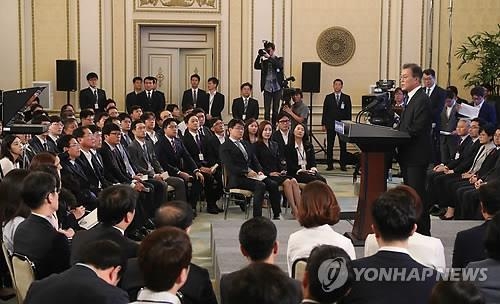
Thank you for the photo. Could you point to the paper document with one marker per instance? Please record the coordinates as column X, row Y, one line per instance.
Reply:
column 469, row 111
column 164, row 175
column 444, row 133
column 89, row 220
column 258, row 177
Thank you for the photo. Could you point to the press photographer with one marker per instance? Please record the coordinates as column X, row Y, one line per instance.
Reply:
column 271, row 79
column 296, row 110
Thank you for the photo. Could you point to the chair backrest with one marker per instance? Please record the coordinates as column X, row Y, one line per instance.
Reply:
column 299, row 268
column 24, row 275
column 224, row 177
column 8, row 261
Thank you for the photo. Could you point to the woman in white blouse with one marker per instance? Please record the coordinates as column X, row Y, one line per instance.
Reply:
column 316, row 212
column 10, row 154
column 12, row 209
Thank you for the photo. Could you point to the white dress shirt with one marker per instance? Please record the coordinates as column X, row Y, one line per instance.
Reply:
column 300, row 243
column 148, row 296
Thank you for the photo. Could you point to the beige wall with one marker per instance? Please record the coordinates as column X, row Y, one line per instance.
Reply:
column 103, row 36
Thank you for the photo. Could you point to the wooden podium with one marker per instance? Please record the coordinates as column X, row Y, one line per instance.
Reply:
column 374, row 141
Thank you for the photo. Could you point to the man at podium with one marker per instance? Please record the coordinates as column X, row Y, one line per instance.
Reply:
column 415, row 154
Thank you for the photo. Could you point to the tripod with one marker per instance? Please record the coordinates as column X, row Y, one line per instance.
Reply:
column 321, row 147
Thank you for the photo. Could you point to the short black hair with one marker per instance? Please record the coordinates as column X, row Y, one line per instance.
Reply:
column 123, row 116
column 198, row 110
column 453, row 89
column 264, row 284
column 430, row 72
column 477, row 91
column 92, row 75
column 488, row 128
column 136, row 78
column 449, row 94
column 269, row 45
column 94, row 128
column 281, row 115
column 110, row 127
column 100, row 115
column 111, row 120
column 257, row 236
column 416, row 70
column 55, row 118
column 492, row 238
column 488, row 195
column 38, row 119
column 114, row 203
column 133, row 108
column 86, row 113
column 454, row 292
column 147, row 115
column 135, row 123
column 195, row 76
column 150, row 78
column 103, row 254
column 214, row 80
column 167, row 121
column 171, row 107
column 233, row 122
column 112, row 107
column 246, row 84
column 340, row 264
column 339, row 80
column 64, row 141
column 163, row 254
column 37, row 185
column 394, row 215
column 188, row 117
column 174, row 213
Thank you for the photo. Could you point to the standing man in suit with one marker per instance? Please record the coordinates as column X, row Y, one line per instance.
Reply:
column 394, row 221
column 449, row 120
column 337, row 106
column 437, row 96
column 194, row 95
column 92, row 97
column 243, row 169
column 245, row 107
column 214, row 103
column 150, row 99
column 131, row 98
column 93, row 280
column 38, row 237
column 415, row 154
column 271, row 79
column 486, row 111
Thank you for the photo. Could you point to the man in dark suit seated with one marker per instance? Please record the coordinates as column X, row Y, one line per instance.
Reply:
column 151, row 100
column 198, row 287
column 92, row 97
column 394, row 221
column 91, row 281
column 164, row 259
column 40, row 142
column 115, row 212
column 194, row 95
column 245, row 172
column 176, row 160
column 214, row 103
column 245, row 107
column 283, row 135
column 486, row 112
column 142, row 154
column 469, row 245
column 258, row 244
column 38, row 237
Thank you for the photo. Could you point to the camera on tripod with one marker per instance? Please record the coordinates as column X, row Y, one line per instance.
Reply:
column 288, row 92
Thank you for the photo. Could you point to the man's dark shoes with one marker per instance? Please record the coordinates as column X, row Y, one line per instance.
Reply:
column 212, row 210
column 343, row 168
column 329, row 168
column 437, row 211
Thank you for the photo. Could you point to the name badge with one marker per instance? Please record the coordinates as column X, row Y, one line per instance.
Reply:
column 457, row 155
column 244, row 116
column 96, row 106
column 342, row 106
column 200, row 157
column 302, row 164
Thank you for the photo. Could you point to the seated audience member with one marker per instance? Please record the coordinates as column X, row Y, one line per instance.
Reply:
column 125, row 124
column 469, row 245
column 250, row 132
column 67, row 107
column 175, row 111
column 135, row 112
column 149, row 120
column 115, row 213
column 13, row 210
column 55, row 130
column 38, row 237
column 300, row 159
column 39, row 143
column 108, row 104
column 316, row 212
column 490, row 286
column 258, row 244
column 243, row 170
column 456, row 292
column 198, row 287
column 11, row 154
column 426, row 250
column 273, row 164
column 91, row 281
column 100, row 119
column 113, row 111
column 71, row 211
column 70, row 125
column 314, row 288
column 283, row 135
column 203, row 129
column 181, row 125
column 164, row 259
column 245, row 107
column 394, row 221
column 398, row 101
column 87, row 117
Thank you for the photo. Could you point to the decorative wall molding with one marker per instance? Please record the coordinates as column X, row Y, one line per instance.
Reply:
column 336, row 46
column 191, row 6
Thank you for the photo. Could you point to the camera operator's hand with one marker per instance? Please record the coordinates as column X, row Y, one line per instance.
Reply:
column 287, row 109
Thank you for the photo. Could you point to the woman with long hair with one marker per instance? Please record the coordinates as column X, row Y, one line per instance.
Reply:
column 11, row 154
column 251, row 128
column 267, row 153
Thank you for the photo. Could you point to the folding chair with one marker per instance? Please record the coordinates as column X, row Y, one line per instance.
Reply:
column 299, row 268
column 24, row 275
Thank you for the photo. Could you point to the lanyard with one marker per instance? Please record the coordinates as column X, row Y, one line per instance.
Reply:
column 303, row 154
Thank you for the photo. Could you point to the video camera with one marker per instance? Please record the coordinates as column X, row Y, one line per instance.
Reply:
column 267, row 45
column 288, row 92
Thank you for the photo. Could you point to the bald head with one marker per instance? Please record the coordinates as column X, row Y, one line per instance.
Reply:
column 174, row 214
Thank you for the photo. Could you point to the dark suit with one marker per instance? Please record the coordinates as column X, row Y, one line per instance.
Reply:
column 276, row 64
column 35, row 146
column 187, row 98
column 488, row 113
column 448, row 143
column 469, row 246
column 131, row 100
column 237, row 166
column 197, row 289
column 333, row 111
column 47, row 248
column 381, row 291
column 415, row 155
column 155, row 104
column 278, row 138
column 269, row 157
column 437, row 99
column 292, row 163
column 98, row 233
column 94, row 172
column 74, row 179
column 238, row 108
column 88, row 100
column 217, row 104
column 76, row 285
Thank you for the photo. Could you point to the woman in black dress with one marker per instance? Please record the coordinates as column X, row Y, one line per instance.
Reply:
column 300, row 159
column 273, row 164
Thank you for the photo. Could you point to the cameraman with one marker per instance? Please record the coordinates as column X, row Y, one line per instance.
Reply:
column 298, row 111
column 271, row 79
